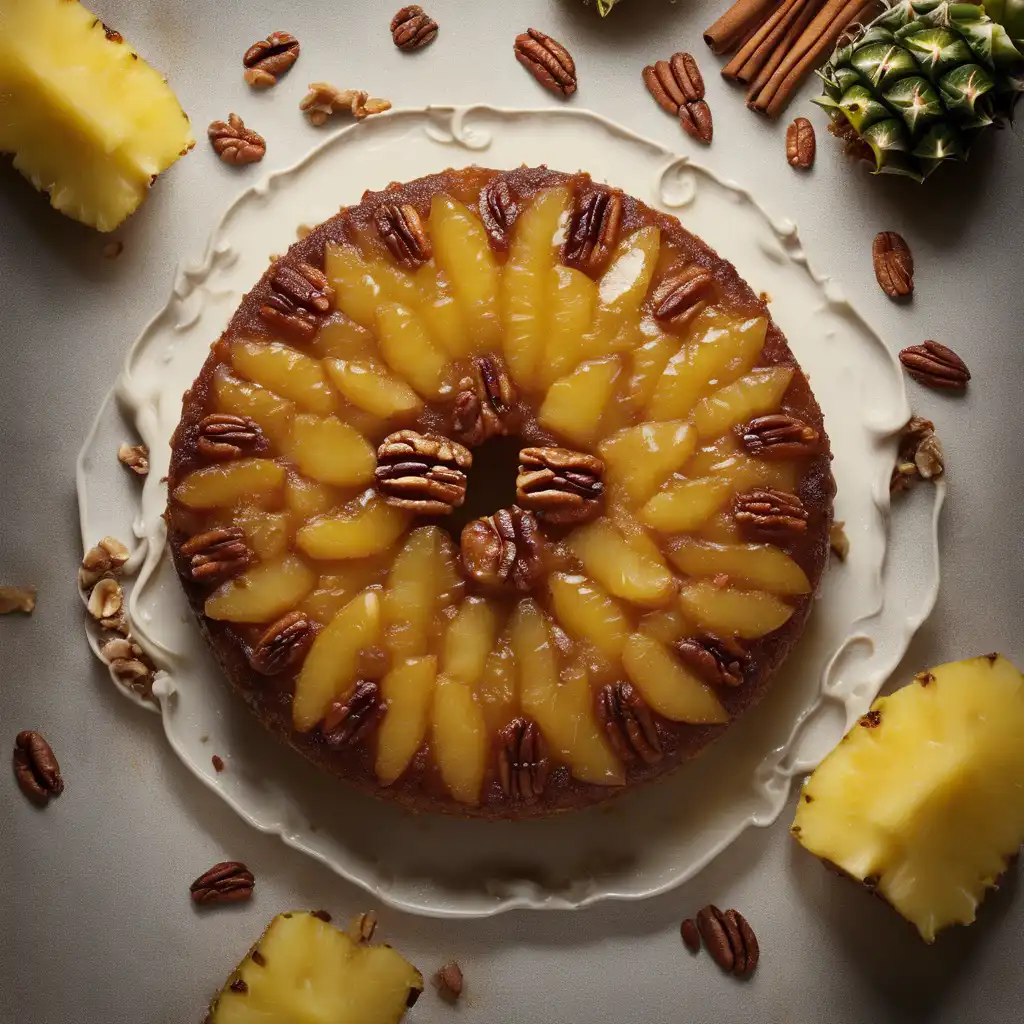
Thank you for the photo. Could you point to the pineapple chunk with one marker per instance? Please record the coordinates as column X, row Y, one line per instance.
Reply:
column 308, row 972
column 370, row 387
column 587, row 612
column 640, row 459
column 336, row 588
column 923, row 800
column 367, row 526
column 572, row 297
column 756, row 565
column 459, row 740
column 408, row 692
column 88, row 121
column 532, row 257
column 342, row 338
column 329, row 671
column 242, row 398
column 758, row 393
column 357, row 292
column 563, row 707
column 574, row 405
column 497, row 689
column 725, row 612
column 685, row 504
column 442, row 314
column 263, row 593
column 331, row 451
column 647, row 363
column 229, row 483
column 269, row 534
column 623, row 571
column 667, row 625
column 408, row 350
column 469, row 639
column 285, row 371
column 306, row 498
column 667, row 685
column 464, row 254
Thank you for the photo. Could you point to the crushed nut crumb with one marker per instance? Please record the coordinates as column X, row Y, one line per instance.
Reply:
column 17, row 599
column 449, row 982
column 324, row 99
column 838, row 540
column 920, row 455
column 105, row 559
column 106, row 599
column 135, row 457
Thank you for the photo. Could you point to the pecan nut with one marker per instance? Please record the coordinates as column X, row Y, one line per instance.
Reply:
column 498, row 212
column 523, row 764
column 234, row 143
column 674, row 82
column 894, row 264
column 283, row 645
column 721, row 661
column 300, row 295
column 36, row 768
column 779, row 436
column 695, row 119
column 401, row 229
column 560, row 485
column 486, row 403
column 323, row 99
column 225, row 436
column 919, row 455
column 270, row 58
column 135, row 457
column 935, row 366
column 412, row 28
column 729, row 939
column 801, row 144
column 690, row 934
column 217, row 555
column 506, row 549
column 681, row 296
column 594, row 232
column 628, row 723
column 425, row 473
column 227, row 882
column 547, row 60
column 348, row 721
column 770, row 514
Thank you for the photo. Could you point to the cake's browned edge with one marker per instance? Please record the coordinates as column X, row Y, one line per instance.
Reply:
column 420, row 787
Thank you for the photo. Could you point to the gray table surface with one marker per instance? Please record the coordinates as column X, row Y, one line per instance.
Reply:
column 93, row 898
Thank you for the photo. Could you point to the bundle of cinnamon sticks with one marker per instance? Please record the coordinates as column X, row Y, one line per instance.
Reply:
column 777, row 43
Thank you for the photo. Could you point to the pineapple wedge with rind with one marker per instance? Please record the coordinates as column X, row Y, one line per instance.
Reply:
column 303, row 970
column 923, row 799
column 89, row 121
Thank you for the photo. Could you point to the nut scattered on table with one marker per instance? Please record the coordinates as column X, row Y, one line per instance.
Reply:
column 227, row 882
column 678, row 88
column 265, row 61
column 449, row 982
column 112, row 250
column 36, row 768
column 324, row 99
column 894, row 264
column 729, row 939
column 17, row 599
column 412, row 28
column 838, row 541
column 234, row 143
column 218, row 763
column 801, row 145
column 935, row 366
column 547, row 60
column 690, row 934
column 919, row 456
column 135, row 457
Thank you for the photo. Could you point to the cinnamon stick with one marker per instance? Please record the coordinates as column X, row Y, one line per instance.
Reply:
column 819, row 36
column 781, row 49
column 783, row 15
column 733, row 26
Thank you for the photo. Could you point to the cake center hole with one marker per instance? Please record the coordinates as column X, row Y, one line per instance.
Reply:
column 491, row 482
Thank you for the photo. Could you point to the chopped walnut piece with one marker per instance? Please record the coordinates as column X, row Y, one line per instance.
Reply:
column 135, row 457
column 324, row 99
column 919, row 455
column 17, row 599
column 128, row 662
column 104, row 559
column 106, row 599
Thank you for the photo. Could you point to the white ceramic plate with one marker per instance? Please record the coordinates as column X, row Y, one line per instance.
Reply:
column 648, row 841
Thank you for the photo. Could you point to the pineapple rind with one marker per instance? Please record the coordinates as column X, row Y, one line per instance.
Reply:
column 923, row 800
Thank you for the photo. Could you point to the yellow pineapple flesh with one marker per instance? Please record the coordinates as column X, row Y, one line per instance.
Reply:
column 88, row 120
column 923, row 800
column 303, row 970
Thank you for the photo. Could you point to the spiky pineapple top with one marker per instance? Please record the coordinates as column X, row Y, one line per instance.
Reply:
column 921, row 81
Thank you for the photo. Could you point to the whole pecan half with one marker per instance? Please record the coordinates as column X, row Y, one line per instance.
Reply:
column 894, row 264
column 690, row 934
column 695, row 118
column 498, row 212
column 425, row 473
column 412, row 28
column 523, row 764
column 36, row 768
column 486, row 403
column 560, row 485
column 800, row 144
column 628, row 723
column 227, row 882
column 268, row 59
column 779, row 436
column 674, row 82
column 770, row 514
column 729, row 939
column 300, row 295
column 505, row 549
column 721, row 661
column 547, row 60
column 401, row 229
column 217, row 555
column 594, row 231
column 225, row 436
column 234, row 143
column 349, row 720
column 935, row 366
column 283, row 645
column 681, row 296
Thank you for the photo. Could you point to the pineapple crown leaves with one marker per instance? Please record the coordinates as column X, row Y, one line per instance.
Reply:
column 922, row 79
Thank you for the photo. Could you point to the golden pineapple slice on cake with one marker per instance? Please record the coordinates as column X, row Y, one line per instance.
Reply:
column 88, row 121
column 923, row 800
